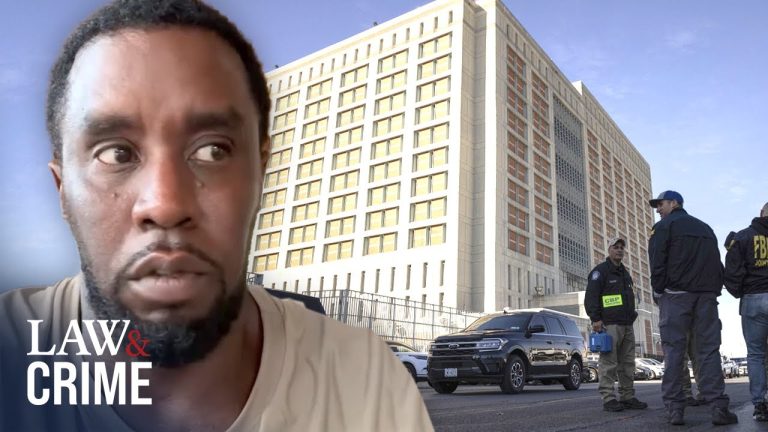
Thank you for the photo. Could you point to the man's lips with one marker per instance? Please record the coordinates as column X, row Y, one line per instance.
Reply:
column 170, row 264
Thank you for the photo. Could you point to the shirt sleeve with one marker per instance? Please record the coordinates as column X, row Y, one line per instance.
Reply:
column 658, row 246
column 592, row 304
column 735, row 270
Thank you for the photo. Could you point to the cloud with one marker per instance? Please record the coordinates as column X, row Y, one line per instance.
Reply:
column 681, row 40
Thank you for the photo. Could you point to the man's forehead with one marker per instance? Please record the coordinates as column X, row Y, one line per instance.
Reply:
column 126, row 72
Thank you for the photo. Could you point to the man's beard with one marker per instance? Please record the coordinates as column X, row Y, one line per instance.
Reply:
column 170, row 344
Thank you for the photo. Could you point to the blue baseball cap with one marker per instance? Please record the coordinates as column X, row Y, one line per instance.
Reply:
column 666, row 195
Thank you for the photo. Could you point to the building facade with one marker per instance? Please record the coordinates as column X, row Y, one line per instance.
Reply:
column 442, row 157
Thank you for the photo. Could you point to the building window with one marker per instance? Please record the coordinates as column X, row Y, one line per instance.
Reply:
column 387, row 147
column 434, row 46
column 380, row 244
column 354, row 76
column 340, row 226
column 382, row 218
column 315, row 128
column 518, row 217
column 543, row 209
column 435, row 67
column 388, row 125
column 264, row 263
column 432, row 89
column 317, row 108
column 517, row 193
column 342, row 203
column 518, row 242
column 349, row 137
column 432, row 135
column 276, row 178
column 393, row 61
column 345, row 159
column 517, row 146
column 430, row 159
column 319, row 89
column 312, row 148
column 542, row 186
column 271, row 199
column 385, row 170
column 428, row 184
column 284, row 120
column 350, row 96
column 541, row 165
column 384, row 194
column 271, row 219
column 300, row 257
column 544, row 230
column 349, row 116
column 311, row 168
column 391, row 82
column 337, row 251
column 282, row 139
column 517, row 169
column 288, row 101
column 390, row 103
column 305, row 211
column 307, row 190
column 344, row 180
column 432, row 112
column 427, row 236
column 279, row 158
column 426, row 210
column 302, row 234
column 517, row 124
column 268, row 240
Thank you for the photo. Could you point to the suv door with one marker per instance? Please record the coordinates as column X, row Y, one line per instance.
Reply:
column 559, row 340
column 542, row 351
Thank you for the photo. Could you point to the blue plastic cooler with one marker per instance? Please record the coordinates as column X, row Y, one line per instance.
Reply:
column 600, row 342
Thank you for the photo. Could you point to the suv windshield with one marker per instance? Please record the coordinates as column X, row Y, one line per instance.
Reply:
column 515, row 322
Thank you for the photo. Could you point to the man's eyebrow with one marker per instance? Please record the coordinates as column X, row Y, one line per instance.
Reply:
column 108, row 124
column 227, row 119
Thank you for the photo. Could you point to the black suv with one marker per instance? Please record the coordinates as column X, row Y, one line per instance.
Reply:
column 509, row 348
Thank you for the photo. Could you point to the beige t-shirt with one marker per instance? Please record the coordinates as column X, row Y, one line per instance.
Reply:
column 316, row 374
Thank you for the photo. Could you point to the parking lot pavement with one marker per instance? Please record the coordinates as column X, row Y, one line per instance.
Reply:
column 551, row 408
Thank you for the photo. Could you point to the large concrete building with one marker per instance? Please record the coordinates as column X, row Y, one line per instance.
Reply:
column 443, row 157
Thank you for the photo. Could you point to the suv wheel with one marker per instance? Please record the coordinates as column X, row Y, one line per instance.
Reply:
column 514, row 375
column 445, row 387
column 592, row 374
column 573, row 382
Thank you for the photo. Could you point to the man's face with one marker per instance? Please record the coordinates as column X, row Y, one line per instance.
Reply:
column 665, row 207
column 616, row 252
column 160, row 175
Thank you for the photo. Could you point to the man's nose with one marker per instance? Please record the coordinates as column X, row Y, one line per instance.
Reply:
column 166, row 195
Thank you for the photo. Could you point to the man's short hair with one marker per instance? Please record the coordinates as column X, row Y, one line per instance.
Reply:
column 152, row 14
column 764, row 211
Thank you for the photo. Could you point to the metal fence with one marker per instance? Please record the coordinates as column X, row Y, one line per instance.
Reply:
column 407, row 321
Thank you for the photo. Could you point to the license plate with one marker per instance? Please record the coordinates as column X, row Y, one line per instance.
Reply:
column 451, row 373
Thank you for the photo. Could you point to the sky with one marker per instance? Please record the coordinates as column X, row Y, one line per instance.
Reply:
column 685, row 81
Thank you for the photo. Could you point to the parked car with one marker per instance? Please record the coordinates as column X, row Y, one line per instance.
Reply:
column 656, row 367
column 414, row 361
column 509, row 348
column 642, row 373
column 730, row 369
column 741, row 363
column 590, row 371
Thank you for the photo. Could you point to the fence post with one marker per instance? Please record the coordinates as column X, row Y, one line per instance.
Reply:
column 413, row 331
column 392, row 306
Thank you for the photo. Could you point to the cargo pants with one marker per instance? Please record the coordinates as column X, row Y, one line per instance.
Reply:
column 619, row 364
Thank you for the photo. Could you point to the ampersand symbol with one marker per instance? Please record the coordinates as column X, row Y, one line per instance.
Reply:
column 137, row 343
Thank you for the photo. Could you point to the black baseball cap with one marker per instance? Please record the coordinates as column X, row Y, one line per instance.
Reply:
column 666, row 195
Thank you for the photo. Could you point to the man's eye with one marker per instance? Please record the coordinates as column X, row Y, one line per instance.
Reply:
column 116, row 155
column 210, row 153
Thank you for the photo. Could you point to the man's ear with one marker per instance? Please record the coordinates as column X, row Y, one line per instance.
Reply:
column 265, row 153
column 55, row 167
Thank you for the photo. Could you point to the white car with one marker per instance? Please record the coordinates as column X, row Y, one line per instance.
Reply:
column 414, row 361
column 656, row 367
